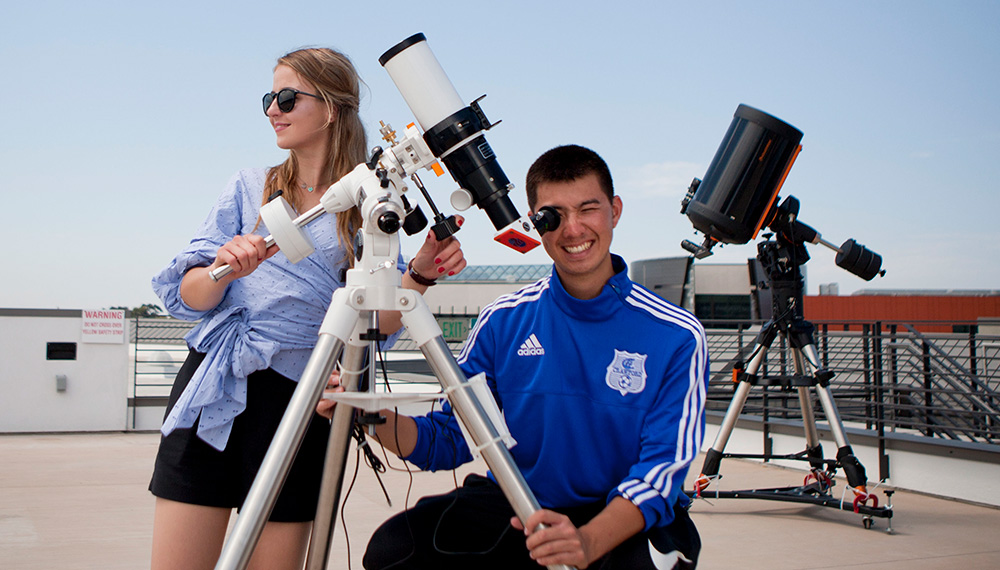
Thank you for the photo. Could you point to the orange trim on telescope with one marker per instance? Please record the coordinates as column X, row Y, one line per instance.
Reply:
column 764, row 152
column 781, row 183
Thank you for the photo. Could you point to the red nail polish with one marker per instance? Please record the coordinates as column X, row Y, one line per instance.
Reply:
column 437, row 261
column 440, row 269
column 460, row 222
column 450, row 273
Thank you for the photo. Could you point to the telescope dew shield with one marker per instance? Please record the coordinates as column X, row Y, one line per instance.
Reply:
column 451, row 128
column 737, row 196
column 421, row 80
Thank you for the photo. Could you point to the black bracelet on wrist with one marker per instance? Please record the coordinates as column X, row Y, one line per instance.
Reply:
column 418, row 278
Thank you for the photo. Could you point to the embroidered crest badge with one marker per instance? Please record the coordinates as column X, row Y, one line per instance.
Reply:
column 627, row 373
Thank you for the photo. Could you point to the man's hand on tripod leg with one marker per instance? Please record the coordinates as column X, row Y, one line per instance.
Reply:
column 326, row 406
column 563, row 543
column 559, row 543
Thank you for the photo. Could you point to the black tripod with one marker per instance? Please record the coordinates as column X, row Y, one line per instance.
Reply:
column 781, row 259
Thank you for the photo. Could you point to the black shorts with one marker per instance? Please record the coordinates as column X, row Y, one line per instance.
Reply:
column 188, row 470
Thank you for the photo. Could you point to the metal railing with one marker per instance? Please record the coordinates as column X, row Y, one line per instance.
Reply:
column 158, row 350
column 889, row 377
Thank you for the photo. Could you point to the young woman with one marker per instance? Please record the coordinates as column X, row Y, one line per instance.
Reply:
column 260, row 323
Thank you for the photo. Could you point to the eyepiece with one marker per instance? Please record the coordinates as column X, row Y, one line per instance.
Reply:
column 546, row 219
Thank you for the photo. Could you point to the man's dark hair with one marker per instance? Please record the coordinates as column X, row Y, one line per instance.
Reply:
column 565, row 164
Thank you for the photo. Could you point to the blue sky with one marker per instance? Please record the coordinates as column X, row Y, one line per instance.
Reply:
column 125, row 120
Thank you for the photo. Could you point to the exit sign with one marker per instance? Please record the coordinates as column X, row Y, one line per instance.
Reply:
column 455, row 328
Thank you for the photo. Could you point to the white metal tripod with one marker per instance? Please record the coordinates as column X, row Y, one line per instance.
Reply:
column 373, row 285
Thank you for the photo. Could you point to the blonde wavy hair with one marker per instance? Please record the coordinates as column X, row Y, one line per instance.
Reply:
column 333, row 77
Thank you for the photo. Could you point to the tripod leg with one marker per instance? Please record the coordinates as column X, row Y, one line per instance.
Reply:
column 713, row 457
column 814, row 449
column 337, row 325
column 336, row 460
column 808, row 418
column 472, row 415
column 853, row 469
column 426, row 333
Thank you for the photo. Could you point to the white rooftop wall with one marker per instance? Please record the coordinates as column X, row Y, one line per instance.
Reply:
column 96, row 385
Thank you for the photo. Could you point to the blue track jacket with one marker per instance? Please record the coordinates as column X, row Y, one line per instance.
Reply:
column 605, row 397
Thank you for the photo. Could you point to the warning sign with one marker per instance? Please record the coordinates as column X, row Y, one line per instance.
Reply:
column 104, row 326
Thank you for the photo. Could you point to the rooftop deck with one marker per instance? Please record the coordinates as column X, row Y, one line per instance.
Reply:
column 73, row 501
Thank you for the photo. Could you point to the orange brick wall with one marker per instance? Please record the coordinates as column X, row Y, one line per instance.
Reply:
column 892, row 308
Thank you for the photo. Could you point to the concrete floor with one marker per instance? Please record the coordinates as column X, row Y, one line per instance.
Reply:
column 80, row 501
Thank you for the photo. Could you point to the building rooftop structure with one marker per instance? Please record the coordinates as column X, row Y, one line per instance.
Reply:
column 929, row 292
column 501, row 273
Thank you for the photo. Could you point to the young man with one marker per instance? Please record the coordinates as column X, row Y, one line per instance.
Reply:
column 601, row 383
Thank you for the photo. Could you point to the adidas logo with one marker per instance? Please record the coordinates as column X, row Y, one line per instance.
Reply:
column 531, row 347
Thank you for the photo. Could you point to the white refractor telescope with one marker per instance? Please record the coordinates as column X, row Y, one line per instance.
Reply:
column 453, row 131
column 453, row 134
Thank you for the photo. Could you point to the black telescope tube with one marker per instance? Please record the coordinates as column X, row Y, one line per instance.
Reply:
column 473, row 164
column 738, row 194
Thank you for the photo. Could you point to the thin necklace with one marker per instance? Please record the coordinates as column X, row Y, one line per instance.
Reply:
column 306, row 187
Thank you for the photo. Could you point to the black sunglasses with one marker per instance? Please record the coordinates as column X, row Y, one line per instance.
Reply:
column 286, row 99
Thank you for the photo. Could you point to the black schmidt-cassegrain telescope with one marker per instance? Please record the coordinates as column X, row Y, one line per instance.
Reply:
column 739, row 194
column 739, row 197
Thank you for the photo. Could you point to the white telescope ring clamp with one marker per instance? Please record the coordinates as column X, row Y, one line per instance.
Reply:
column 279, row 218
column 481, row 392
